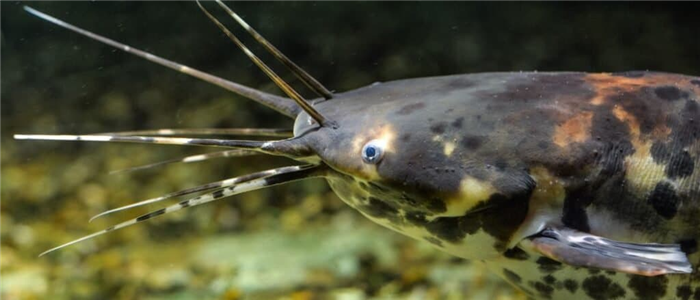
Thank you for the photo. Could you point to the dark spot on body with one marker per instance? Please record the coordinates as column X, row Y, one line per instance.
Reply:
column 435, row 204
column 571, row 285
column 593, row 271
column 446, row 229
column 648, row 288
column 617, row 198
column 438, row 128
column 511, row 276
column 689, row 246
column 379, row 209
column 601, row 287
column 543, row 289
column 410, row 108
column 660, row 152
column 684, row 292
column 516, row 253
column 405, row 137
column 685, row 125
column 696, row 295
column 549, row 279
column 614, row 138
column 680, row 165
column 469, row 225
column 499, row 216
column 669, row 93
column 457, row 123
column 218, row 194
column 184, row 203
column 664, row 200
column 472, row 142
column 548, row 265
column 574, row 213
column 417, row 219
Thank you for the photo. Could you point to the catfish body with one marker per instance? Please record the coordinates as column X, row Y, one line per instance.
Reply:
column 480, row 162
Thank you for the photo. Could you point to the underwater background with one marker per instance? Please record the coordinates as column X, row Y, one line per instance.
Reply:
column 296, row 241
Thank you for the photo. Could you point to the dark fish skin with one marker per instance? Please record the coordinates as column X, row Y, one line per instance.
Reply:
column 488, row 157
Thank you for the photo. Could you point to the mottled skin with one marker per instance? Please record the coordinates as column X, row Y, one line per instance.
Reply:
column 477, row 163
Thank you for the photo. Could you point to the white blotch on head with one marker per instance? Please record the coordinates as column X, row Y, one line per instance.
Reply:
column 449, row 148
column 384, row 137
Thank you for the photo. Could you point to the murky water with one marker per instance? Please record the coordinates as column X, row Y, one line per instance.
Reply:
column 296, row 241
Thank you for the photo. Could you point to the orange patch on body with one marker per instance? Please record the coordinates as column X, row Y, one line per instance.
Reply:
column 575, row 130
column 661, row 131
column 622, row 115
column 635, row 132
column 606, row 84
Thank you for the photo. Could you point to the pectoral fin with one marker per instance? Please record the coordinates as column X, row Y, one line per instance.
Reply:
column 585, row 250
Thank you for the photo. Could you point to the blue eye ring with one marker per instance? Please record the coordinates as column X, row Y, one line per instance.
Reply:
column 372, row 152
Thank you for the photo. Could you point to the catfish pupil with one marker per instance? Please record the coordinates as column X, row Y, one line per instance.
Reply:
column 372, row 152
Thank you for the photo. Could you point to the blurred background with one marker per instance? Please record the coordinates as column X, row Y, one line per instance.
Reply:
column 297, row 241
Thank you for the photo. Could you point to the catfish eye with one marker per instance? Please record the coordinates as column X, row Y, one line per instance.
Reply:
column 372, row 152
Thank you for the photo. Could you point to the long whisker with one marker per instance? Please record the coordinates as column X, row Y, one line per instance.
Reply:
column 286, row 88
column 307, row 79
column 274, row 132
column 143, row 140
column 288, row 147
column 304, row 172
column 205, row 187
column 280, row 104
column 190, row 159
